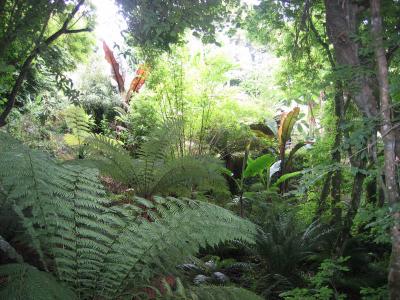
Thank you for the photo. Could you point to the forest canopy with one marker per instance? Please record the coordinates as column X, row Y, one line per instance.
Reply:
column 211, row 149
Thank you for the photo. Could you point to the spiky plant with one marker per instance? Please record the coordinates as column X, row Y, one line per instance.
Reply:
column 156, row 170
column 282, row 246
column 74, row 243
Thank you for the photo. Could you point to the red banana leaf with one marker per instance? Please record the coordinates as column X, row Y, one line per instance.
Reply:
column 114, row 67
column 138, row 81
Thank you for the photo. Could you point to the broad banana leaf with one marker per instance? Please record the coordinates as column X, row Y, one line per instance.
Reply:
column 266, row 130
column 257, row 166
column 286, row 127
column 287, row 176
column 138, row 81
column 109, row 55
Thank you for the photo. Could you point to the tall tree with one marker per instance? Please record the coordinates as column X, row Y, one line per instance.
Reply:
column 27, row 30
column 157, row 24
column 389, row 140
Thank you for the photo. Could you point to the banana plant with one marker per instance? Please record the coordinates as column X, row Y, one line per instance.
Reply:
column 263, row 168
column 285, row 131
column 283, row 135
column 136, row 83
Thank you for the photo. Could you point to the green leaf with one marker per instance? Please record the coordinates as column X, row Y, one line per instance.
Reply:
column 287, row 176
column 287, row 122
column 257, row 166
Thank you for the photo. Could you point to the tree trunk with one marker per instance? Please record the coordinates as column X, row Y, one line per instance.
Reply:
column 356, row 194
column 322, row 205
column 336, row 155
column 334, row 177
column 389, row 141
column 342, row 24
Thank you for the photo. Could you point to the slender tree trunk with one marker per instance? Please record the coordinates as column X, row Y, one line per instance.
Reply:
column 322, row 205
column 389, row 141
column 356, row 194
column 334, row 177
column 336, row 155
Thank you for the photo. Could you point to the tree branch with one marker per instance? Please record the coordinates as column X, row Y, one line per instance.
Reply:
column 69, row 31
column 324, row 44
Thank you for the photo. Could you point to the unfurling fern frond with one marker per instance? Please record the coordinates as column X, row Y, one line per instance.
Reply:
column 100, row 250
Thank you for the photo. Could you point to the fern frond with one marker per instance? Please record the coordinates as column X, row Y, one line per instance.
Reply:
column 24, row 282
column 208, row 292
column 161, row 142
column 101, row 250
column 187, row 172
column 79, row 122
column 112, row 159
column 156, row 170
column 165, row 243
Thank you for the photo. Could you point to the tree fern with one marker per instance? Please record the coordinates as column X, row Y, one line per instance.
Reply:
column 101, row 250
column 156, row 170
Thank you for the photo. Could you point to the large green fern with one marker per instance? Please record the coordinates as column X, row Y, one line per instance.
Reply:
column 79, row 123
column 156, row 170
column 98, row 249
column 208, row 292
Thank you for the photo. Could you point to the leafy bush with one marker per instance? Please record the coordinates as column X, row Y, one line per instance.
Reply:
column 322, row 283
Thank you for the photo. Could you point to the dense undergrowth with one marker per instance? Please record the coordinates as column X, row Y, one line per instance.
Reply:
column 193, row 172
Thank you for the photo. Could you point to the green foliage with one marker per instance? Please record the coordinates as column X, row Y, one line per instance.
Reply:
column 374, row 223
column 287, row 176
column 323, row 283
column 24, row 26
column 282, row 246
column 158, row 24
column 139, row 121
column 96, row 93
column 258, row 165
column 380, row 293
column 98, row 249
